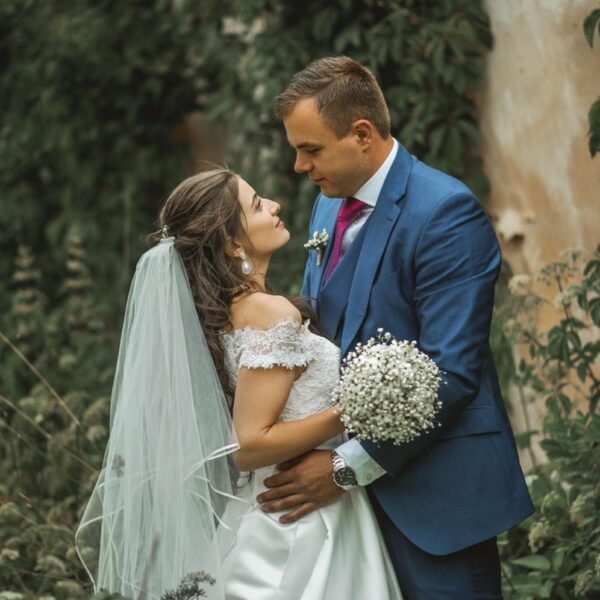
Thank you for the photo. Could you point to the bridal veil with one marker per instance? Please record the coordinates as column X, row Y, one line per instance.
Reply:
column 166, row 479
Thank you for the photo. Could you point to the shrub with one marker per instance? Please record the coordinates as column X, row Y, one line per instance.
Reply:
column 556, row 553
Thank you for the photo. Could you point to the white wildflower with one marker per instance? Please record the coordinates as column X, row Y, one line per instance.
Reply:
column 582, row 583
column 539, row 534
column 519, row 284
column 388, row 390
column 571, row 255
column 584, row 505
column 565, row 298
column 9, row 554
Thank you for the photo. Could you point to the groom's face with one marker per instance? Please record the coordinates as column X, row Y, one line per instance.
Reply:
column 337, row 166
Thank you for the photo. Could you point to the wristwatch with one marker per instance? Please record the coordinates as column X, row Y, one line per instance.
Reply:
column 343, row 475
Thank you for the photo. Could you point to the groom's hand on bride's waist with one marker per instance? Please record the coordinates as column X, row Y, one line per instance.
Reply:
column 301, row 486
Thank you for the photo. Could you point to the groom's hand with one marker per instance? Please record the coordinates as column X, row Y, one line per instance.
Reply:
column 303, row 485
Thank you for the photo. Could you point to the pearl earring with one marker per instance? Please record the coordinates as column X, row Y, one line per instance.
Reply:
column 246, row 266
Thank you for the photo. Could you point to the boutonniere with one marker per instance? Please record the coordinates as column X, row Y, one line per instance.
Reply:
column 318, row 242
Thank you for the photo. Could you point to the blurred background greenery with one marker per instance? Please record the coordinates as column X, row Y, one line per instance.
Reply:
column 105, row 107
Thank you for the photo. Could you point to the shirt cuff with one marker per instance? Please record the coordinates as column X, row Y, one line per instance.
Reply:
column 366, row 469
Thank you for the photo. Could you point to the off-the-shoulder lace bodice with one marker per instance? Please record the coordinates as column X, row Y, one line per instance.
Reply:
column 287, row 344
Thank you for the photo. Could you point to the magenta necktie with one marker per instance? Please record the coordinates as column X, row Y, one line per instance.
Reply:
column 351, row 208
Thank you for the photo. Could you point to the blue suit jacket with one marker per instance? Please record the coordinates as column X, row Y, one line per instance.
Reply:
column 423, row 267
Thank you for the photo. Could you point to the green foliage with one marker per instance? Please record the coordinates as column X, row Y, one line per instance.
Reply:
column 590, row 26
column 190, row 587
column 428, row 57
column 95, row 94
column 594, row 125
column 556, row 553
column 93, row 106
column 25, row 319
column 91, row 93
column 51, row 446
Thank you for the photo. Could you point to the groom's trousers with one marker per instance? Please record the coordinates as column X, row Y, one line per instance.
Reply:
column 470, row 574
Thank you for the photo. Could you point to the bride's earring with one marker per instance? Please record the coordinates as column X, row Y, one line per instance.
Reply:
column 246, row 266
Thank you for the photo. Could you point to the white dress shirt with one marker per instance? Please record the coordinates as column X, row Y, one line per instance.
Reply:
column 365, row 467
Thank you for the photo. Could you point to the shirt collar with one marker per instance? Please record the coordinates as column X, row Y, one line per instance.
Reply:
column 370, row 190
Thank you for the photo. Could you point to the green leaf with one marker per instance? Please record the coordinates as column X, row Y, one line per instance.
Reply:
column 594, row 125
column 347, row 38
column 589, row 25
column 594, row 308
column 525, row 583
column 575, row 340
column 470, row 130
column 454, row 146
column 323, row 24
column 558, row 345
column 438, row 58
column 523, row 438
column 582, row 371
column 534, row 561
column 592, row 269
column 436, row 139
column 558, row 558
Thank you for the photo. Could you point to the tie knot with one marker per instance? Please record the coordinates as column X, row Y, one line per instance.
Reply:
column 350, row 209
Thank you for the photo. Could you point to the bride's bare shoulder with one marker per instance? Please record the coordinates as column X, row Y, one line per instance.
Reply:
column 262, row 311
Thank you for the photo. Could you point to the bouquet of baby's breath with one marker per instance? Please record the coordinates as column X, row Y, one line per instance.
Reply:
column 388, row 390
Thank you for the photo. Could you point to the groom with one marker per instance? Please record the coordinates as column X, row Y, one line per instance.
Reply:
column 411, row 251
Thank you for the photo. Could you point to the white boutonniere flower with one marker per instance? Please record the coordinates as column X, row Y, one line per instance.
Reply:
column 318, row 242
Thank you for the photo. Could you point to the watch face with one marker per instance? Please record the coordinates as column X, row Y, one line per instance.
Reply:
column 345, row 476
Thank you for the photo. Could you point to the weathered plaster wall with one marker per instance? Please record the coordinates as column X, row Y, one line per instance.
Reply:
column 545, row 188
column 542, row 79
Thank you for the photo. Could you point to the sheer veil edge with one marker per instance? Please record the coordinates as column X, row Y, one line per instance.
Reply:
column 157, row 511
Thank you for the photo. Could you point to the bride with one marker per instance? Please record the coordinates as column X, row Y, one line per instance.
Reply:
column 217, row 381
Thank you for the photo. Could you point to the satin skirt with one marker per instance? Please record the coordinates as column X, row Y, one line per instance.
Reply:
column 334, row 552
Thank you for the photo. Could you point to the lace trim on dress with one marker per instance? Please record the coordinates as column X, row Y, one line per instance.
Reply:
column 287, row 344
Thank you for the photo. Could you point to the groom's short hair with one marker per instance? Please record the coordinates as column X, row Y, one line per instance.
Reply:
column 344, row 91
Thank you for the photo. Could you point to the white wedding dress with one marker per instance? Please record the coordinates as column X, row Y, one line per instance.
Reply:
column 334, row 552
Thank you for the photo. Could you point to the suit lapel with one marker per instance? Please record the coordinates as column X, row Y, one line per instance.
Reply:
column 368, row 256
column 329, row 220
column 328, row 212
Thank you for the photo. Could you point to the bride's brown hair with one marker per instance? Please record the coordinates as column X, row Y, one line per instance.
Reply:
column 204, row 214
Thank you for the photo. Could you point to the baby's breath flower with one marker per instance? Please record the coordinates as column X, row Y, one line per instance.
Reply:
column 388, row 390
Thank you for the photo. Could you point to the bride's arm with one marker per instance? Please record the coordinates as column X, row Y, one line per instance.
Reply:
column 261, row 394
column 260, row 397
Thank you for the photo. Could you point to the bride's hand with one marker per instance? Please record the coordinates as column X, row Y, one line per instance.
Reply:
column 303, row 485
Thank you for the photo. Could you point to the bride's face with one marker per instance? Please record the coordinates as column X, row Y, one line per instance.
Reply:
column 265, row 230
